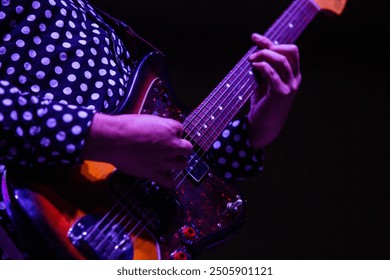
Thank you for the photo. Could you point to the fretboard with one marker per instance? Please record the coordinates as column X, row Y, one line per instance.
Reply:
column 204, row 125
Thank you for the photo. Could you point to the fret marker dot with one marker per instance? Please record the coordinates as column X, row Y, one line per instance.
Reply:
column 212, row 117
column 240, row 97
column 290, row 25
column 228, row 85
column 250, row 73
column 220, row 107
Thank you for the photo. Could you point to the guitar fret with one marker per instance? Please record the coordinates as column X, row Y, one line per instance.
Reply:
column 209, row 119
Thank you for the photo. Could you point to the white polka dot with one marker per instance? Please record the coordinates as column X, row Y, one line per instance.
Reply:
column 45, row 61
column 27, row 66
column 71, row 78
column 19, row 131
column 10, row 70
column 22, row 79
column 58, row 70
column 79, row 53
column 59, row 23
column 54, row 83
column 49, row 96
column 41, row 112
column 99, row 84
column 22, row 101
column 225, row 133
column 80, row 99
column 69, row 35
column 57, row 108
column 25, row 30
column 31, row 17
column 95, row 96
column 242, row 154
column 42, row 27
column 40, row 75
column 15, row 57
column 35, row 88
column 32, row 53
column 3, row 50
column 236, row 123
column 76, row 65
column 248, row 168
column 50, row 48
column 20, row 43
column 66, row 45
column 84, row 87
column 70, row 148
column 51, row 123
column 27, row 116
column 67, row 91
column 36, row 5
column 91, row 62
column 237, row 137
column 67, row 118
column 82, row 114
column 102, row 72
column 48, row 14
column 228, row 175
column 235, row 164
column 55, row 35
column 76, row 130
column 45, row 142
column 221, row 160
column 37, row 40
column 7, row 37
column 87, row 74
column 229, row 149
column 14, row 115
column 217, row 145
column 61, row 136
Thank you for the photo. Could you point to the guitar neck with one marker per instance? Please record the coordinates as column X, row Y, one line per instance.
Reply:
column 207, row 121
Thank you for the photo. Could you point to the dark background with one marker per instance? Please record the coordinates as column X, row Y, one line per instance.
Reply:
column 325, row 190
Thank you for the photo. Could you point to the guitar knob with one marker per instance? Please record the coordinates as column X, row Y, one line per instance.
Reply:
column 189, row 234
column 180, row 254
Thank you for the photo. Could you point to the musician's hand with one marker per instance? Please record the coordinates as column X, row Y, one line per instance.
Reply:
column 280, row 77
column 144, row 146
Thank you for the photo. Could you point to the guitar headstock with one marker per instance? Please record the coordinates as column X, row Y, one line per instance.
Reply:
column 335, row 6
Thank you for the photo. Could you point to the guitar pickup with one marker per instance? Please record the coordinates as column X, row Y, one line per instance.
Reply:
column 197, row 168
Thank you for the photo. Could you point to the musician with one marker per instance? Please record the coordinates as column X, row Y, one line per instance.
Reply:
column 63, row 69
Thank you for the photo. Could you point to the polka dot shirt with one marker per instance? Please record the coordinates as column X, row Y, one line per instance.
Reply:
column 60, row 63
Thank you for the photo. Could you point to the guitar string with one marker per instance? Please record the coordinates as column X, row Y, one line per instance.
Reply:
column 221, row 87
column 205, row 104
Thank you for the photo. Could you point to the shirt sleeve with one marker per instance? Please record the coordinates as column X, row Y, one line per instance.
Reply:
column 36, row 132
column 233, row 156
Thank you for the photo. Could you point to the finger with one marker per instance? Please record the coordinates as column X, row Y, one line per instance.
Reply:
column 273, row 79
column 184, row 148
column 261, row 41
column 291, row 52
column 277, row 61
column 179, row 163
column 165, row 179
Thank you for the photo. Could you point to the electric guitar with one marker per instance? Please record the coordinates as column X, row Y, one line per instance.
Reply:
column 96, row 212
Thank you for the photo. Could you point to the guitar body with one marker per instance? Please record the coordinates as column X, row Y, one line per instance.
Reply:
column 94, row 211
